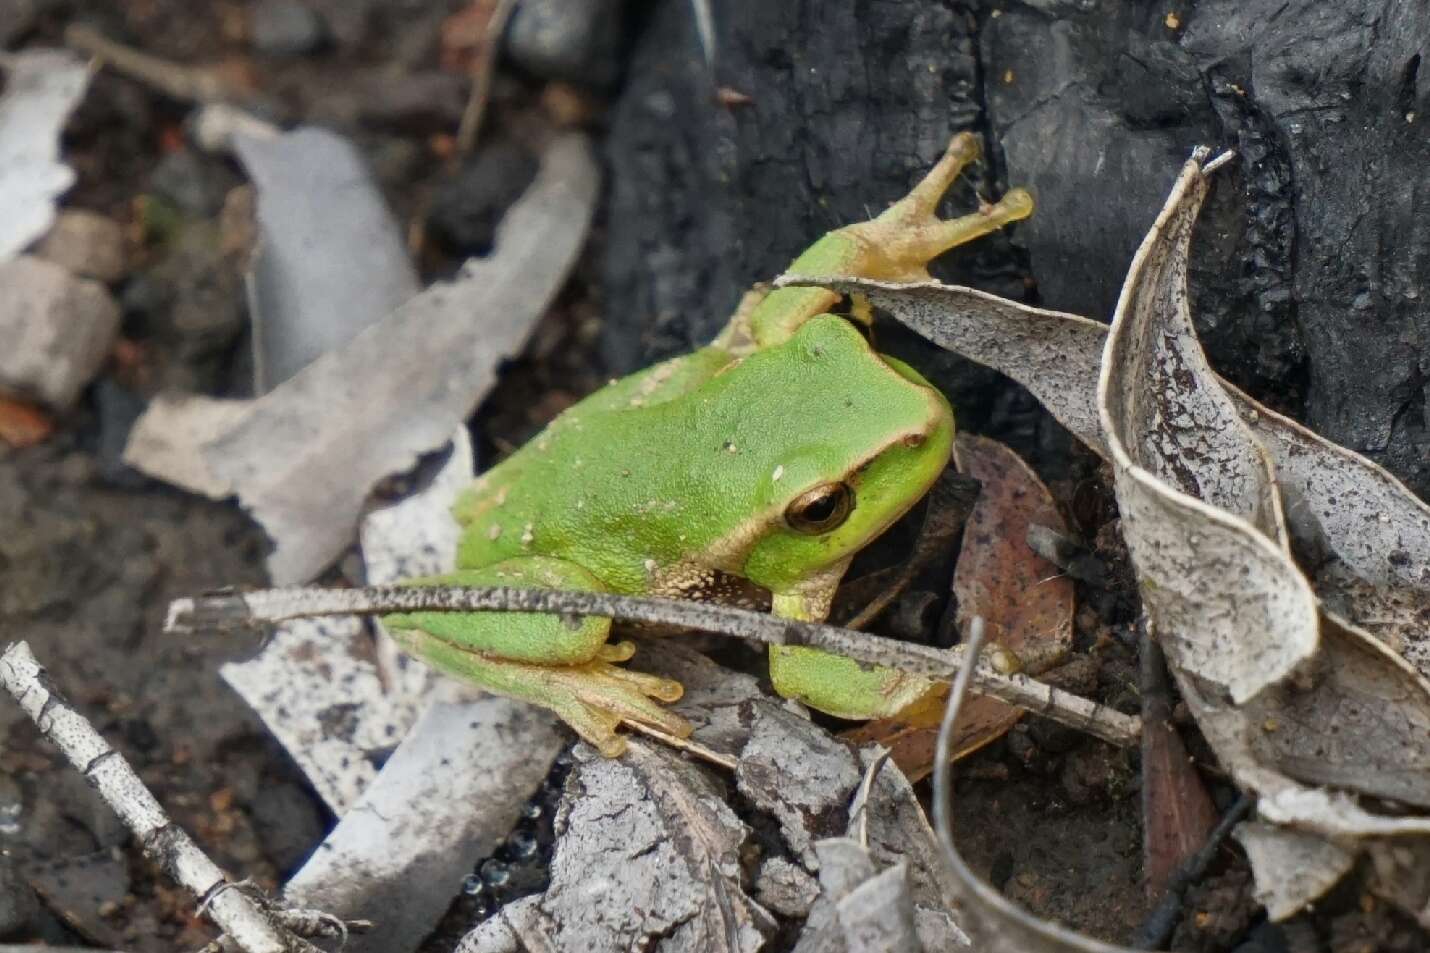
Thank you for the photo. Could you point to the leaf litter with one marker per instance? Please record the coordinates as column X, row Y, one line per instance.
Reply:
column 42, row 88
column 303, row 458
column 1302, row 706
column 1198, row 443
column 845, row 819
column 1024, row 598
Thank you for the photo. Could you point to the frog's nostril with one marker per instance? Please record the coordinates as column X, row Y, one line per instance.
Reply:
column 915, row 440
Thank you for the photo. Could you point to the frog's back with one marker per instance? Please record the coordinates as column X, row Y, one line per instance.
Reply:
column 631, row 490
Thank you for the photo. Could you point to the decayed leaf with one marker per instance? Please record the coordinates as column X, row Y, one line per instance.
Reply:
column 1177, row 812
column 791, row 770
column 330, row 259
column 647, row 857
column 1335, row 500
column 859, row 909
column 318, row 684
column 1237, row 618
column 1291, row 868
column 42, row 88
column 445, row 799
column 304, row 457
column 1025, row 599
column 1198, row 501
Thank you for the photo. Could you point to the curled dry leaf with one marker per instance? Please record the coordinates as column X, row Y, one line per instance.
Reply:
column 992, row 922
column 1199, row 509
column 303, row 458
column 330, row 259
column 1278, row 694
column 1367, row 523
column 1026, row 600
column 42, row 88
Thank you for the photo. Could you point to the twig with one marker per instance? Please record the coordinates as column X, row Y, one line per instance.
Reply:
column 859, row 807
column 1157, row 928
column 236, row 609
column 189, row 83
column 943, row 749
column 484, row 66
column 162, row 841
column 685, row 744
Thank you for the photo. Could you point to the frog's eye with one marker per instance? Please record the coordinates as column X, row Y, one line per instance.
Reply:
column 820, row 509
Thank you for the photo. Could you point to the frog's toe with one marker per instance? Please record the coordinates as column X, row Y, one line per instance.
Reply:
column 910, row 234
column 616, row 651
column 633, row 696
column 593, row 697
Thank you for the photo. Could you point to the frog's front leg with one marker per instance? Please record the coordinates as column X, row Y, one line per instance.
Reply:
column 895, row 246
column 565, row 665
column 835, row 684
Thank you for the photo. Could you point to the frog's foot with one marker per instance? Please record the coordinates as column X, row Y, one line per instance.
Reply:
column 593, row 697
column 901, row 242
column 842, row 687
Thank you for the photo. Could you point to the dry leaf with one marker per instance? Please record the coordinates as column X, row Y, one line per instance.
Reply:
column 22, row 424
column 1198, row 500
column 1374, row 529
column 330, row 259
column 318, row 684
column 1025, row 600
column 42, row 88
column 1278, row 694
column 304, row 457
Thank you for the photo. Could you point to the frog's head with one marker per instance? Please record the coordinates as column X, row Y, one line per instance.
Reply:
column 859, row 439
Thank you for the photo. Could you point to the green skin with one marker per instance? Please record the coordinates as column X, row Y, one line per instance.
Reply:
column 692, row 475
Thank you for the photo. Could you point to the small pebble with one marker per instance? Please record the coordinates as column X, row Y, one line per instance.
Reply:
column 85, row 244
column 575, row 40
column 286, row 28
column 57, row 330
column 494, row 873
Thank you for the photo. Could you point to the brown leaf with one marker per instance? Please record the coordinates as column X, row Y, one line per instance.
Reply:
column 1025, row 601
column 22, row 424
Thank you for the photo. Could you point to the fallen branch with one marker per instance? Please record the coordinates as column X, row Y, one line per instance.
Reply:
column 238, row 609
column 233, row 910
column 186, row 83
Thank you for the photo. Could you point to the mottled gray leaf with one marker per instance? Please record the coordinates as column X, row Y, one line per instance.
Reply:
column 648, row 857
column 446, row 798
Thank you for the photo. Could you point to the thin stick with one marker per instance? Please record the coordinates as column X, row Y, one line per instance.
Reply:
column 943, row 749
column 163, row 841
column 685, row 744
column 484, row 67
column 236, row 609
column 189, row 83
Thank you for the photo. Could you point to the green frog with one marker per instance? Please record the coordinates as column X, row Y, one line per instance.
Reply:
column 758, row 465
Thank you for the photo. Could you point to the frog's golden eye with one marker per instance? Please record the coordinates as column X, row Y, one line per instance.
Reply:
column 820, row 509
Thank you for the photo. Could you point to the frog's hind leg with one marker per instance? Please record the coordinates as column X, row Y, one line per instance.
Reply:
column 906, row 237
column 594, row 697
column 563, row 664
